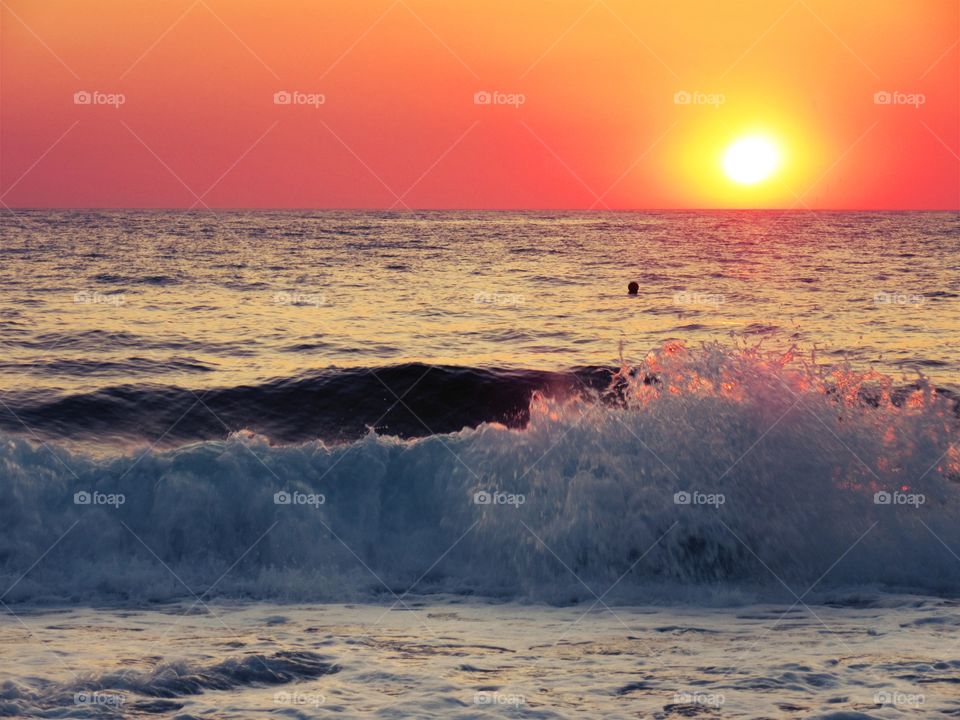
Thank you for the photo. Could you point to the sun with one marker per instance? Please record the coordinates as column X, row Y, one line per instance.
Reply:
column 751, row 159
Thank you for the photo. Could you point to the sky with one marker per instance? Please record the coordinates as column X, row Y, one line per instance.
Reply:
column 401, row 104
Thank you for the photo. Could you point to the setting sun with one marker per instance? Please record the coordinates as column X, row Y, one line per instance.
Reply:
column 750, row 160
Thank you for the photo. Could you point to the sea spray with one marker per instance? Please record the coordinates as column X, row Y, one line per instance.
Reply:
column 797, row 451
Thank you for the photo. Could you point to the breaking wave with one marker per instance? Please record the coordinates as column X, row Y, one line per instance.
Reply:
column 715, row 472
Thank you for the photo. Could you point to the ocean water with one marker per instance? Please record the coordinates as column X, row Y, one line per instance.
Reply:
column 379, row 464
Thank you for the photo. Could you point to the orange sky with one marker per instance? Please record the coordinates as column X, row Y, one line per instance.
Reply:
column 598, row 126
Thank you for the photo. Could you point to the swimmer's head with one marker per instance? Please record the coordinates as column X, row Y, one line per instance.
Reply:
column 633, row 288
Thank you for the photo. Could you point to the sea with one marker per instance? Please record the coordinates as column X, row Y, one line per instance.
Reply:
column 310, row 464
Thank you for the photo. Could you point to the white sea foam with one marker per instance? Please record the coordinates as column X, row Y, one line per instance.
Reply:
column 796, row 454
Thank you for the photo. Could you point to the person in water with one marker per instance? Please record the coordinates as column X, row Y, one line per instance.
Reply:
column 633, row 288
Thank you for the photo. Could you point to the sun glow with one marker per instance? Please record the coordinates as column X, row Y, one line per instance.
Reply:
column 751, row 159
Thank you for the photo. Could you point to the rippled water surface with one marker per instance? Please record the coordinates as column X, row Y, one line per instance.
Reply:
column 90, row 300
column 468, row 659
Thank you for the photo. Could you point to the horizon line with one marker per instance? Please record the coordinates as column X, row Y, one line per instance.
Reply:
column 585, row 210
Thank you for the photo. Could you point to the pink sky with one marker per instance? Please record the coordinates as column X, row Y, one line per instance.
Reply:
column 587, row 115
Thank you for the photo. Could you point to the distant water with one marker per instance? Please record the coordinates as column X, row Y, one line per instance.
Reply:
column 113, row 323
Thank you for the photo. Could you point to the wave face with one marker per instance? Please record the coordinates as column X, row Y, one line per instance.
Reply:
column 410, row 400
column 710, row 473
